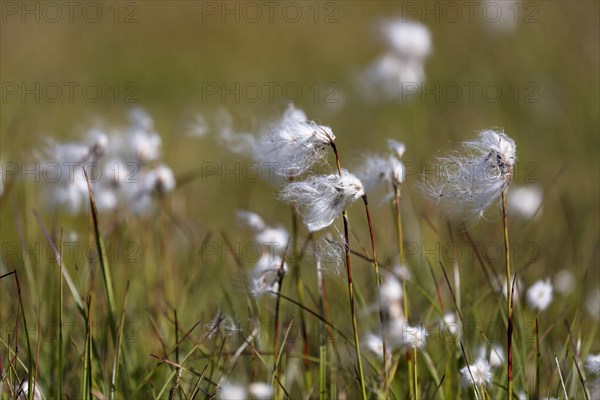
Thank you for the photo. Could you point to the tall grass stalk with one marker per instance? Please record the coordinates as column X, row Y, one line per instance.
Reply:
column 400, row 235
column 378, row 283
column 110, row 298
column 322, row 330
column 509, row 289
column 300, row 293
column 361, row 374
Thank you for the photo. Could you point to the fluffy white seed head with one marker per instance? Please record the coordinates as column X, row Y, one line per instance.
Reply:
column 478, row 374
column 496, row 354
column 413, row 337
column 564, row 281
column 450, row 325
column 467, row 181
column 391, row 290
column 320, row 199
column 592, row 303
column 160, row 179
column 22, row 391
column 592, row 364
column 374, row 343
column 251, row 220
column 407, row 39
column 233, row 391
column 539, row 295
column 265, row 275
column 260, row 390
column 525, row 201
column 294, row 145
column 391, row 77
column 380, row 171
column 397, row 148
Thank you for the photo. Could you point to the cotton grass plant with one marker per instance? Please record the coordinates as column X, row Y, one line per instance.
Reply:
column 403, row 357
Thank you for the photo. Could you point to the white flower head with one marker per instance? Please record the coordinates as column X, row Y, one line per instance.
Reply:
column 233, row 391
column 397, row 148
column 265, row 275
column 320, row 199
column 450, row 325
column 414, row 337
column 408, row 39
column 592, row 364
column 496, row 354
column 251, row 220
column 525, row 201
column 294, row 114
column 141, row 139
column 260, row 390
column 22, row 391
column 268, row 237
column 377, row 171
column 160, row 179
column 391, row 290
column 374, row 343
column 516, row 291
column 466, row 182
column 478, row 374
column 294, row 146
column 539, row 295
column 564, row 281
column 592, row 303
column 239, row 142
column 391, row 77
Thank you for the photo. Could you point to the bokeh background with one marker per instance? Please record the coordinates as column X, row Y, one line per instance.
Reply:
column 169, row 56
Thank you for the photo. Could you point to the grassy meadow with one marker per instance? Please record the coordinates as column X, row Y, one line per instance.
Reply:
column 118, row 304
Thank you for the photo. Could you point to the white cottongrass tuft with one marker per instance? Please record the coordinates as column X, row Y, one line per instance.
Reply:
column 391, row 77
column 496, row 354
column 265, row 275
column 260, row 390
column 320, row 199
column 592, row 303
column 413, row 337
column 478, row 374
column 539, row 295
column 391, row 290
column 525, row 201
column 407, row 39
column 564, row 281
column 379, row 170
column 294, row 145
column 399, row 70
column 233, row 391
column 467, row 181
column 238, row 142
column 450, row 325
column 592, row 364
column 22, row 391
column 275, row 238
column 123, row 166
column 397, row 148
column 374, row 343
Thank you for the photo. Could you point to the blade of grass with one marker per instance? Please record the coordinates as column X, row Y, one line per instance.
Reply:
column 103, row 263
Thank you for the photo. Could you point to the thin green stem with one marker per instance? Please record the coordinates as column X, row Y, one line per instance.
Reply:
column 300, row 293
column 400, row 236
column 351, row 286
column 378, row 282
column 509, row 329
column 415, row 374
